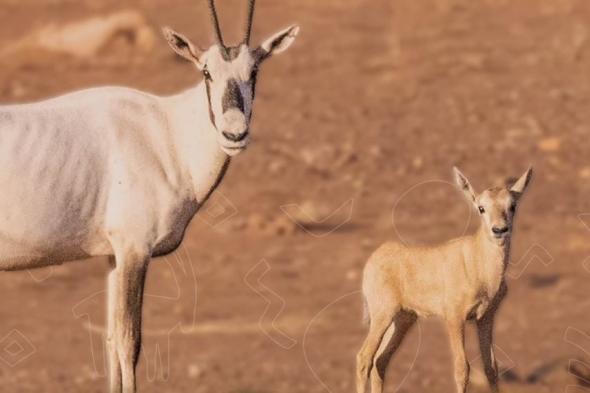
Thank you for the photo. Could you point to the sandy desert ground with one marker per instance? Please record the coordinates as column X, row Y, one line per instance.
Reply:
column 356, row 130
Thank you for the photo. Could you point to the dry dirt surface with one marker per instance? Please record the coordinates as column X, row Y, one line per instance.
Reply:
column 356, row 130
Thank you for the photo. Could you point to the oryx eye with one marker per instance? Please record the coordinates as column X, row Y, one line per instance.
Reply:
column 206, row 74
column 513, row 207
column 254, row 72
column 481, row 210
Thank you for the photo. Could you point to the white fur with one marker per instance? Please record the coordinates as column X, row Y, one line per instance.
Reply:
column 80, row 168
column 239, row 69
column 114, row 172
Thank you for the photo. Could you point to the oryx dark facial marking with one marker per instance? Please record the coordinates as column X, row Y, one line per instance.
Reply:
column 232, row 98
column 231, row 53
column 230, row 76
column 211, row 113
column 254, row 79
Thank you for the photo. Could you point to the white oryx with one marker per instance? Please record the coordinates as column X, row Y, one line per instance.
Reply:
column 120, row 173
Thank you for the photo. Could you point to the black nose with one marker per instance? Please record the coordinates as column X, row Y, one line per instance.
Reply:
column 499, row 231
column 235, row 137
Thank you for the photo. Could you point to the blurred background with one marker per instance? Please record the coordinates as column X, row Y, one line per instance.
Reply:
column 356, row 130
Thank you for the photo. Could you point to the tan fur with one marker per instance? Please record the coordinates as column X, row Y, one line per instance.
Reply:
column 459, row 280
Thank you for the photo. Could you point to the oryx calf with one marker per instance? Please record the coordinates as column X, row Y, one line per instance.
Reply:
column 460, row 280
column 120, row 173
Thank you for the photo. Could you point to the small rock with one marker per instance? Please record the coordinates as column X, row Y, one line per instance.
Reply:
column 584, row 173
column 277, row 166
column 17, row 90
column 352, row 275
column 281, row 226
column 376, row 151
column 255, row 222
column 417, row 162
column 309, row 213
column 551, row 144
column 194, row 371
column 368, row 243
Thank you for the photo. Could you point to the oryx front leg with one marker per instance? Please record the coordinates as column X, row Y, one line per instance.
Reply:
column 126, row 283
column 461, row 366
column 486, row 346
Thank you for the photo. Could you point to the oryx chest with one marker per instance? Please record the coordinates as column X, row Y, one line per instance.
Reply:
column 172, row 226
column 178, row 215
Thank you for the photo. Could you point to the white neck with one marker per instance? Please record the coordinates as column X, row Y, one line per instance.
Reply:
column 196, row 139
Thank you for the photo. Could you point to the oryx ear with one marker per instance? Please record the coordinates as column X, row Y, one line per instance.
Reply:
column 521, row 184
column 279, row 42
column 182, row 45
column 464, row 185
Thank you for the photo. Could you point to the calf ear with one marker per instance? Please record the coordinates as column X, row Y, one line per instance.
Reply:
column 521, row 184
column 279, row 42
column 464, row 185
column 182, row 46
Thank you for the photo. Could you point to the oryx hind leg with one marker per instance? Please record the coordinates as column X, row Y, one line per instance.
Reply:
column 391, row 341
column 115, row 382
column 126, row 283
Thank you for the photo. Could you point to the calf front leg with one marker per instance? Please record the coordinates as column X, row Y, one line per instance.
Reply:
column 485, row 332
column 127, row 283
column 457, row 337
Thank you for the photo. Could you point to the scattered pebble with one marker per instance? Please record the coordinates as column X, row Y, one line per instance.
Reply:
column 550, row 144
column 194, row 371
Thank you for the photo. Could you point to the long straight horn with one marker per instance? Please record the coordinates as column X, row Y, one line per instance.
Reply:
column 251, row 4
column 215, row 21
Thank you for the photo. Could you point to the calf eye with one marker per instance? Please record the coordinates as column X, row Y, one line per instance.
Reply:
column 482, row 210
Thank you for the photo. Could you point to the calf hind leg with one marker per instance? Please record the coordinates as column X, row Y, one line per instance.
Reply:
column 381, row 319
column 392, row 339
